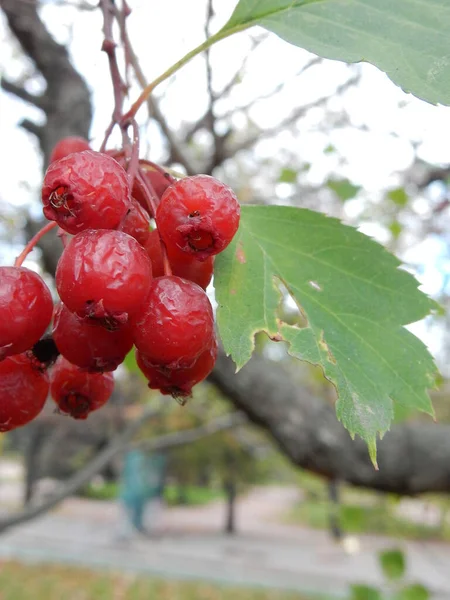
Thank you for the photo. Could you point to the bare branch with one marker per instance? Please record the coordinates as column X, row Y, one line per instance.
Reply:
column 301, row 111
column 276, row 90
column 21, row 93
column 181, row 438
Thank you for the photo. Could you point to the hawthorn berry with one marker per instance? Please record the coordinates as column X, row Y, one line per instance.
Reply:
column 182, row 264
column 104, row 275
column 137, row 222
column 87, row 344
column 26, row 308
column 77, row 392
column 86, row 190
column 198, row 215
column 67, row 146
column 175, row 324
column 178, row 382
column 23, row 391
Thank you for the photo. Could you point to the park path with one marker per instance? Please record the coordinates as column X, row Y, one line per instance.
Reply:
column 189, row 544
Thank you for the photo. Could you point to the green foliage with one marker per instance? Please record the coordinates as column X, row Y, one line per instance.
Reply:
column 398, row 196
column 343, row 188
column 287, row 175
column 393, row 563
column 364, row 592
column 412, row 592
column 354, row 298
column 363, row 518
column 192, row 495
column 25, row 582
column 409, row 41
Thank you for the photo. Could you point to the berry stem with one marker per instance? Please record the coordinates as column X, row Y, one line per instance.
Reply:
column 149, row 193
column 166, row 264
column 133, row 165
column 32, row 243
column 220, row 35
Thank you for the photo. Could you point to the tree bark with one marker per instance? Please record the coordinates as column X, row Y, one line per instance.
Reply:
column 412, row 457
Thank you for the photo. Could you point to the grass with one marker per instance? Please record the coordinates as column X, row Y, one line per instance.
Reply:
column 354, row 518
column 45, row 582
column 194, row 495
column 362, row 511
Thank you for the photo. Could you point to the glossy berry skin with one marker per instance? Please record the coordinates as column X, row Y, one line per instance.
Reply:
column 23, row 391
column 77, row 392
column 182, row 264
column 175, row 324
column 137, row 223
column 178, row 382
column 86, row 190
column 67, row 146
column 26, row 308
column 198, row 215
column 104, row 275
column 89, row 345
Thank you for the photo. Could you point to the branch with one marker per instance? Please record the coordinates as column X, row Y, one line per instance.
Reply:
column 301, row 111
column 413, row 457
column 181, row 438
column 176, row 152
column 20, row 92
column 119, row 444
column 66, row 101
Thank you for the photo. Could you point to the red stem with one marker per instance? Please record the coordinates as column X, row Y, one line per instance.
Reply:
column 32, row 243
column 166, row 264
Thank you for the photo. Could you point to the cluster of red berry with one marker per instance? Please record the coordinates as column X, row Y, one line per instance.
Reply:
column 120, row 284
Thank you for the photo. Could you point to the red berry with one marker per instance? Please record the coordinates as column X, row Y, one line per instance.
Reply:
column 137, row 222
column 178, row 382
column 182, row 264
column 23, row 391
column 89, row 345
column 198, row 215
column 86, row 190
column 104, row 275
column 67, row 146
column 175, row 323
column 26, row 308
column 76, row 392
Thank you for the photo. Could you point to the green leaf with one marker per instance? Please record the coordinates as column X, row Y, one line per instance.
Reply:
column 364, row 592
column 287, row 176
column 393, row 563
column 343, row 188
column 398, row 196
column 406, row 39
column 396, row 229
column 131, row 364
column 355, row 301
column 416, row 591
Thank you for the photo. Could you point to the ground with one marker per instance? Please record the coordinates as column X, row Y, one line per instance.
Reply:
column 188, row 543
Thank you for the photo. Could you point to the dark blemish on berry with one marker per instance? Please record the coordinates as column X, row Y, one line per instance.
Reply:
column 194, row 213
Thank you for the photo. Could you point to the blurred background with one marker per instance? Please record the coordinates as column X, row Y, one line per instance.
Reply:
column 253, row 490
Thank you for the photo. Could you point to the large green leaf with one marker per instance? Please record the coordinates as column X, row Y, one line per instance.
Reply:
column 355, row 301
column 408, row 39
